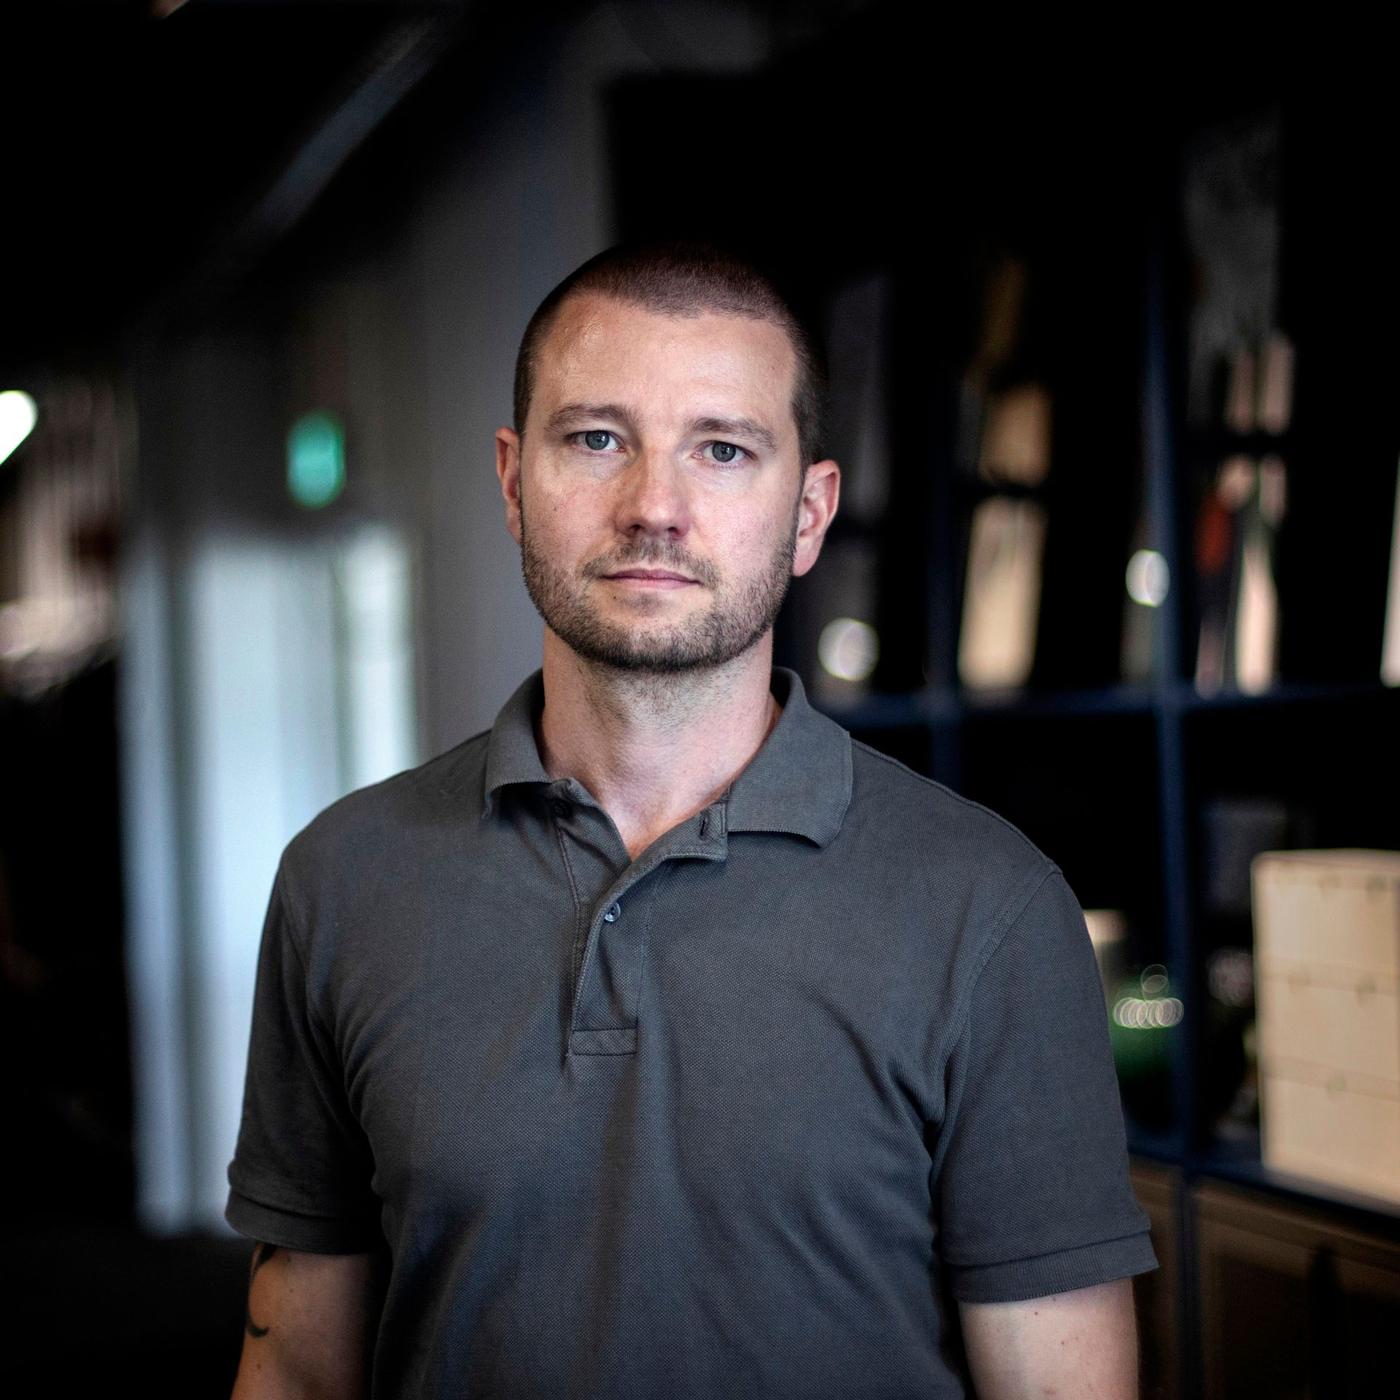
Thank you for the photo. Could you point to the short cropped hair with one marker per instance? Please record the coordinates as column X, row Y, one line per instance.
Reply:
column 680, row 278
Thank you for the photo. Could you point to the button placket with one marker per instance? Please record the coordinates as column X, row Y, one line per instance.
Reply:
column 608, row 987
column 605, row 1009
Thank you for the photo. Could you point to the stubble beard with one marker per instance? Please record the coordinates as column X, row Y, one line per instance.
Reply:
column 734, row 621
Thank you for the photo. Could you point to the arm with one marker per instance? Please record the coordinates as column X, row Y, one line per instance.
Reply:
column 1040, row 1229
column 301, row 1185
column 1082, row 1343
column 310, row 1326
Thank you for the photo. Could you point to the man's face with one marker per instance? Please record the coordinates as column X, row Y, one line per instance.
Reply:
column 656, row 494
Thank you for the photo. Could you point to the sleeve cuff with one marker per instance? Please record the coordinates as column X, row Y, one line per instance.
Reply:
column 313, row 1233
column 1018, row 1279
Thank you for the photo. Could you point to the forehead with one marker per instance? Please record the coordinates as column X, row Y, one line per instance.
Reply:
column 601, row 350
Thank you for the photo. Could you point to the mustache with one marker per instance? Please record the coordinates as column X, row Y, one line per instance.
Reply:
column 653, row 554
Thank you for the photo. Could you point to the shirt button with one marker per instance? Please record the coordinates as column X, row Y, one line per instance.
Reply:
column 560, row 807
column 613, row 914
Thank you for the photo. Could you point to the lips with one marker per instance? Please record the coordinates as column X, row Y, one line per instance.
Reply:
column 651, row 575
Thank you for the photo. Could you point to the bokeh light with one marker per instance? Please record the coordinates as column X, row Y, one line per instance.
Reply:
column 316, row 459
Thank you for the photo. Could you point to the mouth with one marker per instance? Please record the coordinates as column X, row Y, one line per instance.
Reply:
column 663, row 578
column 648, row 580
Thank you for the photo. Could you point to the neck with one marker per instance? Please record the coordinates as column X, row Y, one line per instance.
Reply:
column 653, row 749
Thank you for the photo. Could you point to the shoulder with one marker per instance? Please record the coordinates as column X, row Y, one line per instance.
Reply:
column 925, row 818
column 381, row 823
column 944, row 863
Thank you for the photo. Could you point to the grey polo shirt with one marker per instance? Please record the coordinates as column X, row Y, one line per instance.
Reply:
column 742, row 1116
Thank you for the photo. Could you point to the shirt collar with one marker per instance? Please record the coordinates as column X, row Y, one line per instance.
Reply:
column 512, row 755
column 798, row 782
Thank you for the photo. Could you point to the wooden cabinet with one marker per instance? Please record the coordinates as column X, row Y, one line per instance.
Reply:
column 1159, row 1331
column 1292, row 1302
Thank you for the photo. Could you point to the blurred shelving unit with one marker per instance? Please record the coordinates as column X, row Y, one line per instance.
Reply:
column 1155, row 331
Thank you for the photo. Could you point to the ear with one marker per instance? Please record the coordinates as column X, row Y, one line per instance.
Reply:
column 508, row 472
column 821, row 492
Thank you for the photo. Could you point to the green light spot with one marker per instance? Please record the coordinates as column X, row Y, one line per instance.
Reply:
column 316, row 459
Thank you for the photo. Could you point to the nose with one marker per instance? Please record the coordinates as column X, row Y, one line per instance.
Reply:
column 652, row 498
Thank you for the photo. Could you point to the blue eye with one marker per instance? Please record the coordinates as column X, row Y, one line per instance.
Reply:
column 596, row 439
column 726, row 452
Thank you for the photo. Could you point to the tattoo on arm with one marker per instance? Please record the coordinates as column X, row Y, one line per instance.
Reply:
column 261, row 1254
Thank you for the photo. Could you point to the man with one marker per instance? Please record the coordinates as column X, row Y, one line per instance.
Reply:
column 662, row 1041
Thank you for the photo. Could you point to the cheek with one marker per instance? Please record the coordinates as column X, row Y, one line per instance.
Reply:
column 549, row 511
column 751, row 550
column 565, row 529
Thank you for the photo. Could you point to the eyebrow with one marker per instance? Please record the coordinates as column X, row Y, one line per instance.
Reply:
column 572, row 414
column 737, row 427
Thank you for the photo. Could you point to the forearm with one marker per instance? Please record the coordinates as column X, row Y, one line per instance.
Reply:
column 308, row 1330
column 1082, row 1343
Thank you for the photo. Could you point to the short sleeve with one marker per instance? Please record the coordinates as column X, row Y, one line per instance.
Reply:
column 302, row 1168
column 1031, row 1169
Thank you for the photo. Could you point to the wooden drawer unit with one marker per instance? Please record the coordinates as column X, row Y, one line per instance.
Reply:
column 1294, row 1305
column 1327, row 984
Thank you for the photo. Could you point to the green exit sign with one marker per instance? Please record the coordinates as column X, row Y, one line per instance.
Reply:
column 316, row 459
